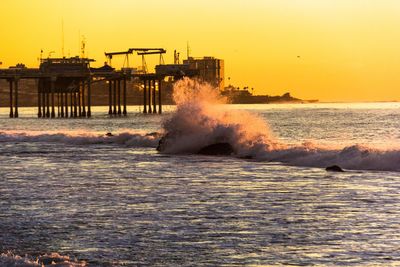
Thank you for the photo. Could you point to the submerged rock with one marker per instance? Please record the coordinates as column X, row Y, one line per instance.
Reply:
column 218, row 149
column 54, row 259
column 161, row 144
column 153, row 134
column 334, row 168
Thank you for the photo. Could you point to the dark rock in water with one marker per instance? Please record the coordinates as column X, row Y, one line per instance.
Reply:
column 221, row 149
column 109, row 134
column 160, row 146
column 50, row 260
column 218, row 149
column 154, row 134
column 334, row 168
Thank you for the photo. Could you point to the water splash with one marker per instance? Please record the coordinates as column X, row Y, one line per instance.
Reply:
column 201, row 119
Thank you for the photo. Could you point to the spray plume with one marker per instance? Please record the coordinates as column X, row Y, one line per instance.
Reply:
column 201, row 119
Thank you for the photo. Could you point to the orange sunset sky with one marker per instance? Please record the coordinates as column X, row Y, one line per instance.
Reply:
column 331, row 50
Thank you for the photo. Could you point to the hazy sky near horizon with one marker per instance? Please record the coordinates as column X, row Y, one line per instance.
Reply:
column 332, row 50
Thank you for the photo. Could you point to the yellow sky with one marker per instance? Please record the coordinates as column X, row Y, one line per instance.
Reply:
column 332, row 50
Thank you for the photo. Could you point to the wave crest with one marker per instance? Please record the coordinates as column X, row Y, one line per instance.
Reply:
column 201, row 120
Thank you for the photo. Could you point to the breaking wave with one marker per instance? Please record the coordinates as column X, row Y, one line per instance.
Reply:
column 53, row 259
column 125, row 138
column 200, row 120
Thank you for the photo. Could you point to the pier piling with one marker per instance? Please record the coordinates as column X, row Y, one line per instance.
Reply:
column 43, row 99
column 119, row 97
column 11, row 99
column 75, row 104
column 159, row 98
column 62, row 104
column 149, row 101
column 154, row 96
column 58, row 105
column 124, row 97
column 52, row 84
column 47, row 103
column 39, row 92
column 78, row 96
column 115, row 97
column 109, row 97
column 72, row 105
column 16, row 99
column 144, row 97
column 89, row 112
column 66, row 104
column 83, row 99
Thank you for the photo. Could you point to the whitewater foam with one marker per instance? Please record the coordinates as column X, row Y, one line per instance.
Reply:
column 53, row 259
column 355, row 157
column 125, row 138
column 200, row 120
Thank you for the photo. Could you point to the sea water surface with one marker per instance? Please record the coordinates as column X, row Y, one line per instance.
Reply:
column 67, row 189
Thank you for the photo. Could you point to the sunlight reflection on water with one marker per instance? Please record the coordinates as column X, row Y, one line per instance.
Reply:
column 114, row 205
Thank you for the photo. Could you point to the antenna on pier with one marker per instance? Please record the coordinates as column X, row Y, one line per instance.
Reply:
column 62, row 37
column 40, row 57
column 161, row 60
column 176, row 57
column 79, row 42
column 187, row 49
column 144, row 65
column 83, row 46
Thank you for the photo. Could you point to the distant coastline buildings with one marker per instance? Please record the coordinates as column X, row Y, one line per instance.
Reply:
column 209, row 69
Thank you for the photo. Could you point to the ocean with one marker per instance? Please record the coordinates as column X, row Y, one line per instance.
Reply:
column 72, row 195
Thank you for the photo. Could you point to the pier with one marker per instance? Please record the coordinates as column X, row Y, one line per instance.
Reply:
column 64, row 85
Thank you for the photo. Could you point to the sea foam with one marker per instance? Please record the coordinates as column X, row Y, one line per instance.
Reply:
column 53, row 259
column 125, row 138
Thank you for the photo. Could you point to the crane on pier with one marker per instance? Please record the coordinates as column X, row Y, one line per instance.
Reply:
column 110, row 55
column 140, row 51
column 158, row 51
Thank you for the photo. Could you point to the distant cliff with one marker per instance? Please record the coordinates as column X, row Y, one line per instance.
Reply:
column 237, row 96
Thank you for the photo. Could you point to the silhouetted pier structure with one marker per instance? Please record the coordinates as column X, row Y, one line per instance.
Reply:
column 64, row 86
column 151, row 93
